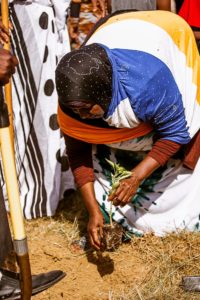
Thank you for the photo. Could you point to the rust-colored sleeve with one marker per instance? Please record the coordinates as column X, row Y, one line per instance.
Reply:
column 80, row 160
column 192, row 152
column 162, row 150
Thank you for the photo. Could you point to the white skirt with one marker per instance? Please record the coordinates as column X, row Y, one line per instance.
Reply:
column 167, row 201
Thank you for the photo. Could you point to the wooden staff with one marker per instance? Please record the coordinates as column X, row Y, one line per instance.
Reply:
column 10, row 174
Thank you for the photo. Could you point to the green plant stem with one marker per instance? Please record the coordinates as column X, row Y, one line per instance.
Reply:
column 119, row 174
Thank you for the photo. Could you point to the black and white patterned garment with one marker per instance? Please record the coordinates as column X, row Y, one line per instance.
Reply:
column 39, row 38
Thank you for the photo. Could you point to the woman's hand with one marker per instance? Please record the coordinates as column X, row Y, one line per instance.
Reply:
column 128, row 187
column 4, row 32
column 95, row 229
column 125, row 191
column 8, row 62
column 96, row 220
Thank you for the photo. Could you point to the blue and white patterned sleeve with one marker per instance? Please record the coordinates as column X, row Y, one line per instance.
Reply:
column 161, row 105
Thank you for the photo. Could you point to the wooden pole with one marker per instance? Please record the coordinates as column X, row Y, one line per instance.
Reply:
column 10, row 174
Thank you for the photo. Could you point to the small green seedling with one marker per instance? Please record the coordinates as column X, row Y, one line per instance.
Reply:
column 119, row 173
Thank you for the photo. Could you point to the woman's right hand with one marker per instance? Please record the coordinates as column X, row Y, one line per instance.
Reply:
column 96, row 220
column 95, row 229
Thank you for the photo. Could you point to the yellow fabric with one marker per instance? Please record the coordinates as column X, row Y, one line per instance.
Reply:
column 169, row 22
column 96, row 135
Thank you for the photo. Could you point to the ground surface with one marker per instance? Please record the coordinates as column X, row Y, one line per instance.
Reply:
column 146, row 268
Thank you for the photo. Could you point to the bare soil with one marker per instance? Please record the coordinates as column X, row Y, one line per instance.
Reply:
column 145, row 268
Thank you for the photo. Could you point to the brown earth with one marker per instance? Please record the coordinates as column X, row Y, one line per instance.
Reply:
column 145, row 268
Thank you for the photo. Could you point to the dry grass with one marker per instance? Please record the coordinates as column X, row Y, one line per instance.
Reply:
column 69, row 222
column 165, row 260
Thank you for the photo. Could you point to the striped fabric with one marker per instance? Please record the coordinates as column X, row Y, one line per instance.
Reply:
column 40, row 159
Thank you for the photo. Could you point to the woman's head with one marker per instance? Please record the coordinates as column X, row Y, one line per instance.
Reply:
column 84, row 80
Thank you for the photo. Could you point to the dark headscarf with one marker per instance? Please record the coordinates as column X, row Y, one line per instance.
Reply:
column 85, row 74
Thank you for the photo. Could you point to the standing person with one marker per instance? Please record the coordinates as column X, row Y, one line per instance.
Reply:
column 9, row 280
column 84, row 14
column 135, row 102
column 39, row 37
column 8, row 62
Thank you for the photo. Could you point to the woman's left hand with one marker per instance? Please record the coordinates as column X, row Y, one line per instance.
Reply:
column 4, row 34
column 125, row 191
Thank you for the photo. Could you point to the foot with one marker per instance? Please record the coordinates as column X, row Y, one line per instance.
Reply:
column 10, row 284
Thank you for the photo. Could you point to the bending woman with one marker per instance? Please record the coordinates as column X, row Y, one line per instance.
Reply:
column 135, row 102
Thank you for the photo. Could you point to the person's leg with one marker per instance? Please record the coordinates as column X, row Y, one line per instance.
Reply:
column 178, row 5
column 5, row 236
column 41, row 163
column 164, row 5
column 198, row 45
